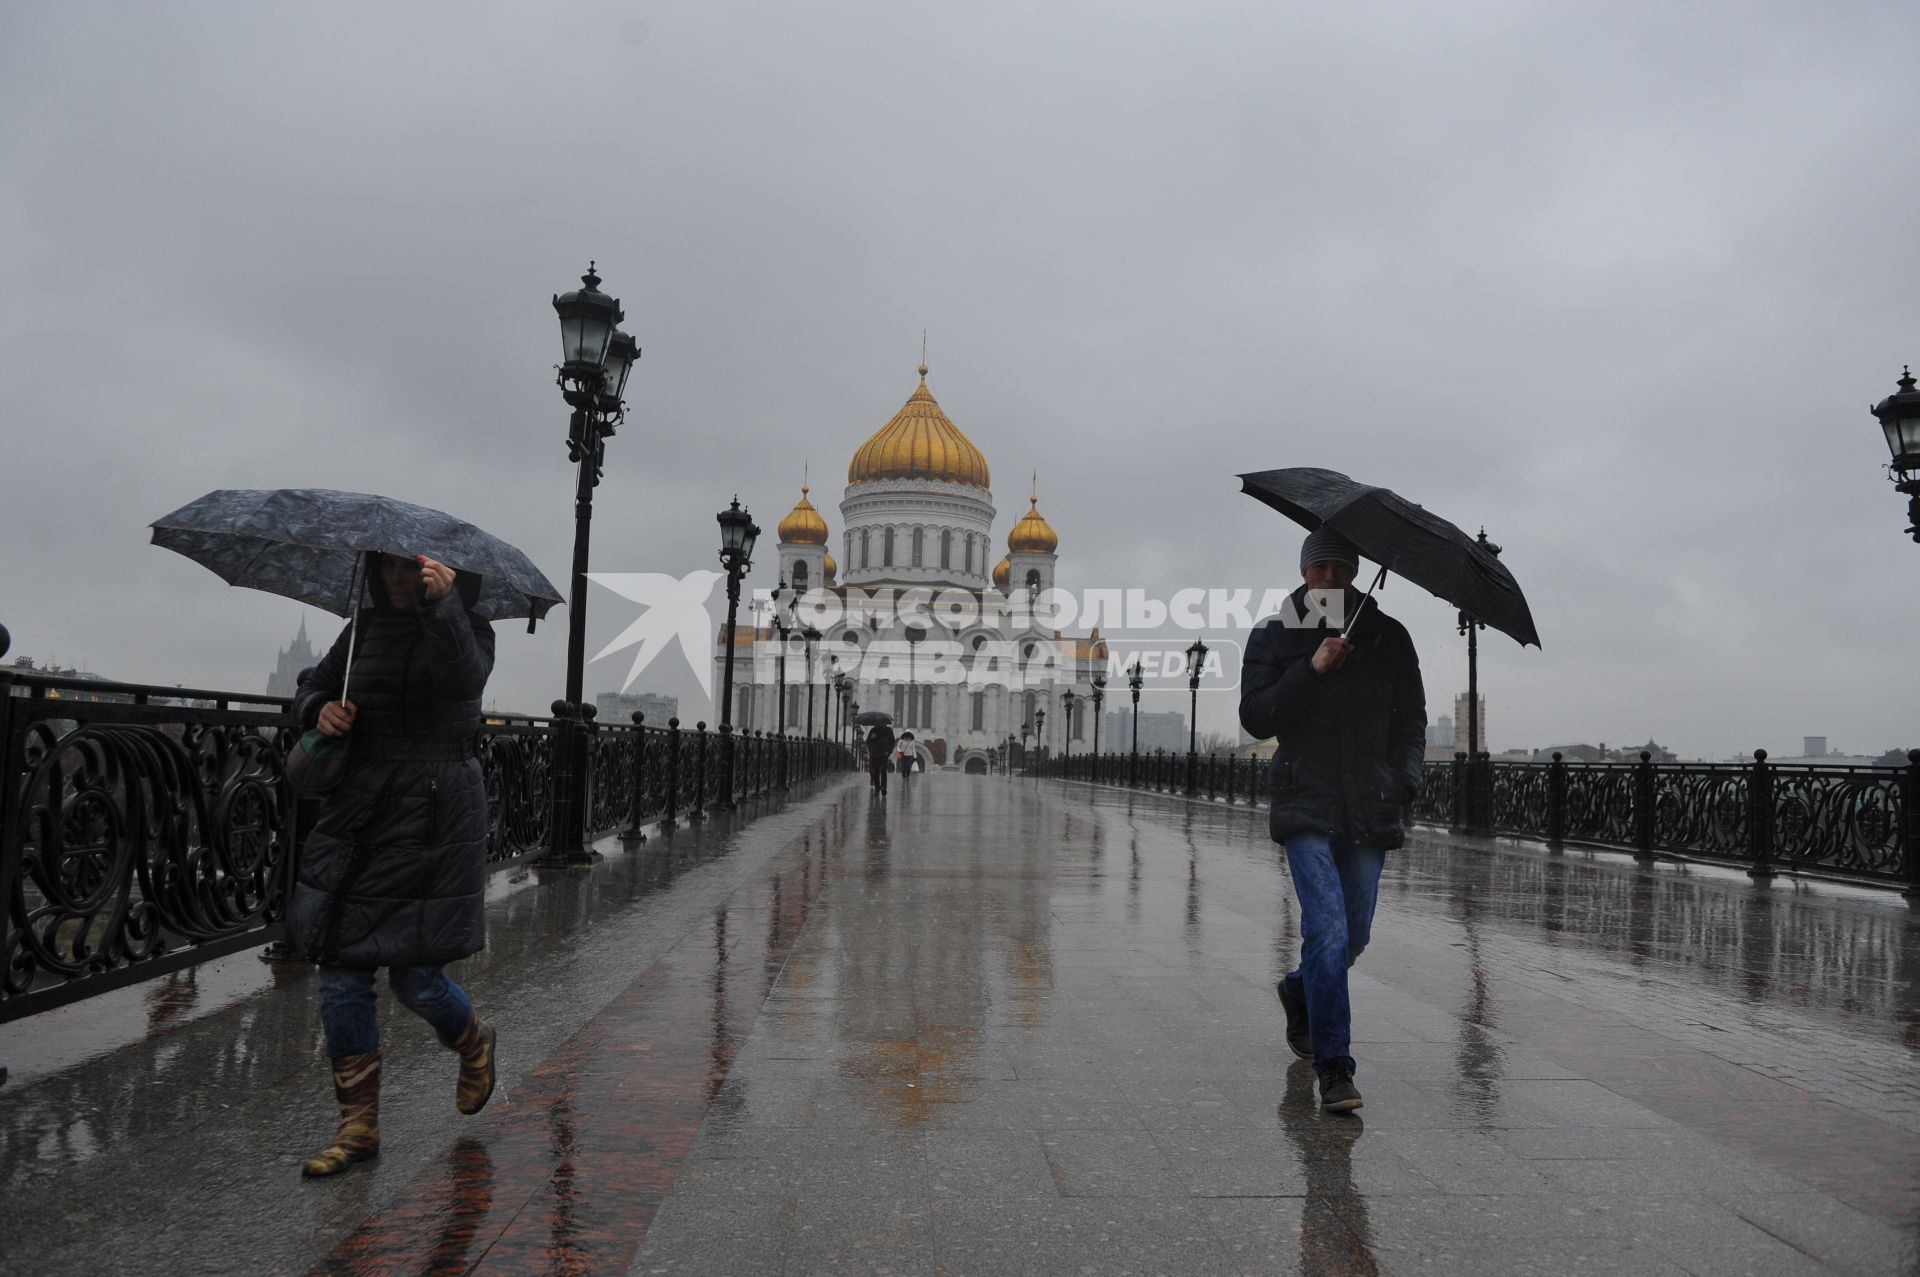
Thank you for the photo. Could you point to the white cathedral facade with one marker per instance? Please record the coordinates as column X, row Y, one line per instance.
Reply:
column 975, row 674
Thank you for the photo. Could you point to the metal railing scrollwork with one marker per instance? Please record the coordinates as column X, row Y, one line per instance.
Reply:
column 1857, row 823
column 141, row 829
column 145, row 828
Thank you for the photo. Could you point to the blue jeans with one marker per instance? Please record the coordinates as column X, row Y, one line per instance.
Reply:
column 1338, row 885
column 347, row 1005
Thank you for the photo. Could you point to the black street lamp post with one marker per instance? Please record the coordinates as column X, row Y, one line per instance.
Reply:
column 1899, row 415
column 1067, row 699
column 1196, row 658
column 595, row 360
column 1040, row 732
column 1099, row 699
column 847, row 710
column 781, row 629
column 836, row 701
column 1134, row 680
column 1476, row 818
column 738, row 532
column 912, row 717
column 810, row 636
column 1471, row 628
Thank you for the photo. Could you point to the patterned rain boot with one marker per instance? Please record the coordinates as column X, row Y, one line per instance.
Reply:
column 475, row 1045
column 356, row 1086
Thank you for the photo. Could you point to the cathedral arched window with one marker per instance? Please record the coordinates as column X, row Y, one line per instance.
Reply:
column 866, row 544
column 886, row 548
column 800, row 576
column 919, row 538
column 969, row 553
column 946, row 547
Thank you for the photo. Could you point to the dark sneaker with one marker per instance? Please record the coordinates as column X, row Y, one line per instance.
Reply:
column 1299, row 1036
column 1338, row 1094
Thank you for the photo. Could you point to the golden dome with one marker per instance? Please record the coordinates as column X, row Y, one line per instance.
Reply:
column 920, row 443
column 829, row 568
column 803, row 524
column 1033, row 534
column 1002, row 573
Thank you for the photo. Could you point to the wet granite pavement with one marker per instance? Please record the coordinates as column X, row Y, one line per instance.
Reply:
column 1025, row 1027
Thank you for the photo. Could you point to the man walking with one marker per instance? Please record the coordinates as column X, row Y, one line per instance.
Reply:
column 879, row 757
column 1348, row 719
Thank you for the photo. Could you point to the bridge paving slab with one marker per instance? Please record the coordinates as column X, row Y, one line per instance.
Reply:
column 990, row 1026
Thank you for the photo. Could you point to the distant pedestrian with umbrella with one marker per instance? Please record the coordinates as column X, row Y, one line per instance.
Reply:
column 880, row 742
column 1338, row 690
column 393, row 872
column 906, row 760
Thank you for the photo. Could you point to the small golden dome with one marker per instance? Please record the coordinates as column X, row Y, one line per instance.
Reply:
column 1002, row 573
column 1033, row 534
column 920, row 443
column 803, row 524
column 829, row 568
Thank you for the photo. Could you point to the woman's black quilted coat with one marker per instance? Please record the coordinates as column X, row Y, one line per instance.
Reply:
column 394, row 871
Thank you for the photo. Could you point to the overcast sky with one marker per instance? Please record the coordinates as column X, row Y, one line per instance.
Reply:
column 1618, row 280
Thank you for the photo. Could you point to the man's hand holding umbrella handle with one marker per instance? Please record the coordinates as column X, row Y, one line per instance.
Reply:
column 336, row 717
column 1331, row 655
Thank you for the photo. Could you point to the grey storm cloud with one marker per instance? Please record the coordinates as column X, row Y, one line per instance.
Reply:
column 1617, row 281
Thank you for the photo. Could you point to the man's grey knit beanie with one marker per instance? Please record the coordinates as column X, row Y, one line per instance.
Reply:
column 1324, row 545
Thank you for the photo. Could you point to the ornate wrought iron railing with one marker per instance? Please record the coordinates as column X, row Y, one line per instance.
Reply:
column 146, row 828
column 1857, row 823
column 141, row 829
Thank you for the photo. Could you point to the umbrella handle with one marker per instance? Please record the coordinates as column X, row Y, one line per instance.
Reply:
column 1382, row 575
column 353, row 630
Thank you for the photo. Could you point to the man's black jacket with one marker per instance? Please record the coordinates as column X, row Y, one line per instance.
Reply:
column 1347, row 744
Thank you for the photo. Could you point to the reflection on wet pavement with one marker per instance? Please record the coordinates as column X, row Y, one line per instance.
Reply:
column 999, row 1050
column 996, row 1027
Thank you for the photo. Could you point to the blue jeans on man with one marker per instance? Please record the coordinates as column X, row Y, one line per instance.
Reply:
column 349, row 1012
column 1338, row 885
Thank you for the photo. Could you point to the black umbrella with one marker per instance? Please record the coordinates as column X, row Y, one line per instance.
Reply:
column 1403, row 538
column 308, row 544
column 872, row 718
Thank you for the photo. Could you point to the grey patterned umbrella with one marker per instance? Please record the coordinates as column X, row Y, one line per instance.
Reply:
column 306, row 544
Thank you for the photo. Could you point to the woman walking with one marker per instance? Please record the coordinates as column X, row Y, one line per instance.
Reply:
column 393, row 873
column 905, row 760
